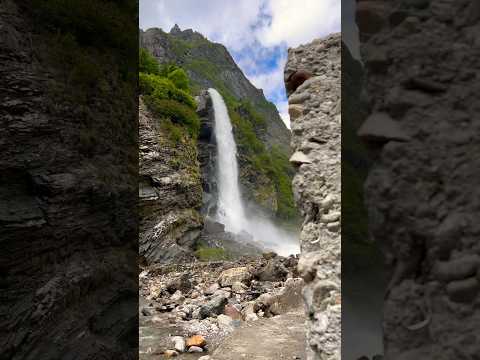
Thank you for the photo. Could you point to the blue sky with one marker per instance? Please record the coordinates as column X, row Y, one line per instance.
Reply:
column 256, row 32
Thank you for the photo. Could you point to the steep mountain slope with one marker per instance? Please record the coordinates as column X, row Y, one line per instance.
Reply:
column 262, row 138
column 210, row 65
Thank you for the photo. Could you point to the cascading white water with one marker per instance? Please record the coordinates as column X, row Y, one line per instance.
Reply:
column 230, row 208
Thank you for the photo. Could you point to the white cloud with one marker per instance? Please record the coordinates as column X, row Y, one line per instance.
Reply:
column 283, row 111
column 298, row 22
column 253, row 26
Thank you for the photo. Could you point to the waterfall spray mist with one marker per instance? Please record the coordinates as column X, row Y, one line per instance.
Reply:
column 230, row 207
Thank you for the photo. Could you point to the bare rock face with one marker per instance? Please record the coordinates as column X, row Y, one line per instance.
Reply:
column 170, row 193
column 316, row 130
column 68, row 194
column 422, row 193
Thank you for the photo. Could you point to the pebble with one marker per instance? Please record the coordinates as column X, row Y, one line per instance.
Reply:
column 195, row 349
column 170, row 353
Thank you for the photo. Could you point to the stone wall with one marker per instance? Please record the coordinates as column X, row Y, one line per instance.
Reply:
column 313, row 79
column 421, row 60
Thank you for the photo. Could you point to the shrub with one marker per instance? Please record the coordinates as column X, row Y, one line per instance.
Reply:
column 179, row 78
column 147, row 63
column 175, row 111
column 163, row 88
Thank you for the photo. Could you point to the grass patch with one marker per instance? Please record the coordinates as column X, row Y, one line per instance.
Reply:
column 211, row 254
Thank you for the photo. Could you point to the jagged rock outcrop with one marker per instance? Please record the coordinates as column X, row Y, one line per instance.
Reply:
column 170, row 193
column 422, row 193
column 68, row 195
column 316, row 127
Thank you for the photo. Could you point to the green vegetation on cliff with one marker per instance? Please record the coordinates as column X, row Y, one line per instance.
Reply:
column 166, row 91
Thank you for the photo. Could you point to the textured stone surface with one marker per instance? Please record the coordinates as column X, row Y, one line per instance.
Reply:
column 422, row 194
column 170, row 193
column 317, row 187
column 68, row 195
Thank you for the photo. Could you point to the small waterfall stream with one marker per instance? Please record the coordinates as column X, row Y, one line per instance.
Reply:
column 230, row 207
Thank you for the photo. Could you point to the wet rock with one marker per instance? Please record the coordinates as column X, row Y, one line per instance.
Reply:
column 231, row 276
column 213, row 307
column 213, row 227
column 196, row 340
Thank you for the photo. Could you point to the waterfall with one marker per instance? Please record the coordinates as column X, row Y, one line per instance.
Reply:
column 230, row 207
column 230, row 211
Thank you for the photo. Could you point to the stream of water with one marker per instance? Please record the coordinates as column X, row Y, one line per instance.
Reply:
column 230, row 207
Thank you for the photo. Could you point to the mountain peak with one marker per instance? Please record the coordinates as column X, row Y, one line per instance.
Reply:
column 175, row 30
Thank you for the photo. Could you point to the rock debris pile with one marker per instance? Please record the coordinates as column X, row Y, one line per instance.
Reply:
column 204, row 302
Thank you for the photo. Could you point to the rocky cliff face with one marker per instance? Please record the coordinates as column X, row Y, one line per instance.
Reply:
column 68, row 193
column 312, row 76
column 422, row 82
column 170, row 192
column 259, row 131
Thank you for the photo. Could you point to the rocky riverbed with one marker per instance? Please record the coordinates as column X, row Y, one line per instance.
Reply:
column 189, row 310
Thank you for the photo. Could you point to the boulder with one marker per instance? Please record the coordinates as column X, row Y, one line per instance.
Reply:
column 273, row 271
column 181, row 283
column 179, row 343
column 196, row 340
column 213, row 307
column 232, row 312
column 233, row 275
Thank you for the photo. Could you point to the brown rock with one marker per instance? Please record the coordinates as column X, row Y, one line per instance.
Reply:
column 170, row 353
column 296, row 79
column 233, row 312
column 196, row 340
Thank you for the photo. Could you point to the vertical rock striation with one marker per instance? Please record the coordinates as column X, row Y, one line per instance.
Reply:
column 421, row 60
column 313, row 79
